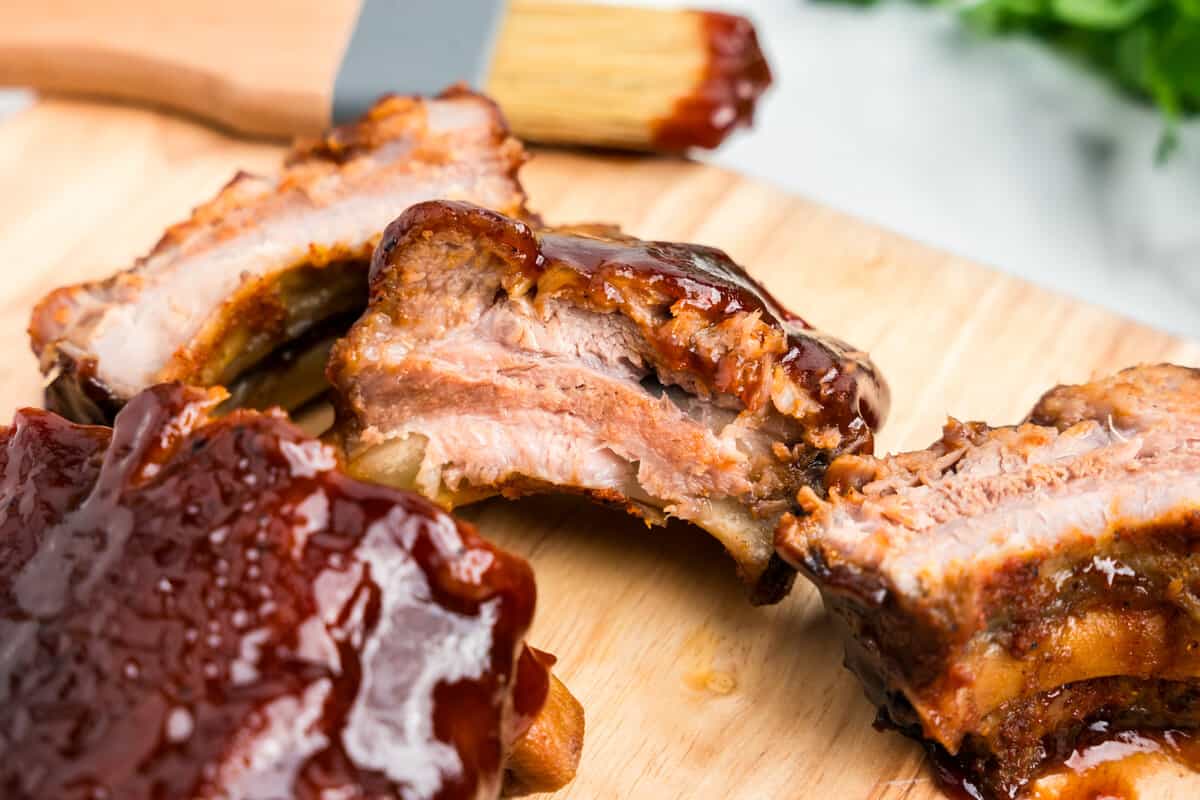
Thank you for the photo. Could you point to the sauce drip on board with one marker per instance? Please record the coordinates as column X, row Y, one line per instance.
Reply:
column 195, row 608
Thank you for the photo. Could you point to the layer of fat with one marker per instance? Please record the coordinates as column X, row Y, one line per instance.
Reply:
column 1100, row 643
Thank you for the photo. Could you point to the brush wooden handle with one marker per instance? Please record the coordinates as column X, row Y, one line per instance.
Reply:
column 257, row 68
column 563, row 72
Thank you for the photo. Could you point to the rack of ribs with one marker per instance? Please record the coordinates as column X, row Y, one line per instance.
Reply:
column 250, row 292
column 494, row 358
column 1011, row 589
column 197, row 608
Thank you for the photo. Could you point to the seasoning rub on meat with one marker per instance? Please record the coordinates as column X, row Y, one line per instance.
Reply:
column 250, row 292
column 494, row 358
column 1009, row 589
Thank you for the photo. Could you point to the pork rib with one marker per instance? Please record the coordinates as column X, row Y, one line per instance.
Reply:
column 208, row 609
column 1009, row 587
column 271, row 263
column 658, row 376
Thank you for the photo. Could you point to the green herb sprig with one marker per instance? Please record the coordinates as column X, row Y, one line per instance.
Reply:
column 1149, row 48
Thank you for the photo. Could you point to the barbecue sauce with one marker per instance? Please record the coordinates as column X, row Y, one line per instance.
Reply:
column 706, row 281
column 620, row 273
column 736, row 74
column 193, row 607
column 1102, row 766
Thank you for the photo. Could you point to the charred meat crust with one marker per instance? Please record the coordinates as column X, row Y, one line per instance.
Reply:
column 276, row 302
column 73, row 391
column 201, row 608
column 1148, row 564
column 1146, row 398
column 971, row 639
column 905, row 640
column 654, row 283
column 739, row 400
column 1029, row 733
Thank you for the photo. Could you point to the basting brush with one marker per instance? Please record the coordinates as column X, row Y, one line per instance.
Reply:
column 563, row 72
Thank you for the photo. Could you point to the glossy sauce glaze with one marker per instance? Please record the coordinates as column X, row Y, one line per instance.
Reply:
column 620, row 273
column 1110, row 767
column 1103, row 765
column 736, row 74
column 195, row 608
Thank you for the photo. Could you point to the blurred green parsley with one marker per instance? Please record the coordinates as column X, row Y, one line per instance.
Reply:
column 1150, row 48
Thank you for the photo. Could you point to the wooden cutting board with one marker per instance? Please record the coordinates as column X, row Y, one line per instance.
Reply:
column 690, row 692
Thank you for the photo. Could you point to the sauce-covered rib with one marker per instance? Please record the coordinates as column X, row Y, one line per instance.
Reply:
column 250, row 292
column 1010, row 588
column 208, row 609
column 661, row 377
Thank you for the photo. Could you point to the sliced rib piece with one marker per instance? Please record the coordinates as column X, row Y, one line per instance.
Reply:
column 657, row 376
column 1009, row 587
column 268, row 260
column 208, row 609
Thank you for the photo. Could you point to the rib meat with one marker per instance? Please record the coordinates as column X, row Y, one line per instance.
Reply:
column 658, row 376
column 208, row 609
column 271, row 263
column 1008, row 588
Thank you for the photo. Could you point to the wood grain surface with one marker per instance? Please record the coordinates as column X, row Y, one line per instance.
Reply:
column 690, row 692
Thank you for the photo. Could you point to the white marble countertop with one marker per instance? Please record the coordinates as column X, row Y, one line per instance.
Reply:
column 997, row 151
